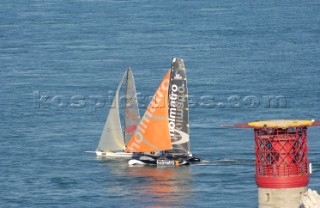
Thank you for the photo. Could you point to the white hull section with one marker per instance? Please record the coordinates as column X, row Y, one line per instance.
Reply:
column 136, row 162
column 114, row 154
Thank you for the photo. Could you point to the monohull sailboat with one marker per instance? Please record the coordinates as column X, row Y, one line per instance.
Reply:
column 113, row 139
column 164, row 128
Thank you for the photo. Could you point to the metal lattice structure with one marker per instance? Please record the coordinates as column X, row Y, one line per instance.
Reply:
column 281, row 154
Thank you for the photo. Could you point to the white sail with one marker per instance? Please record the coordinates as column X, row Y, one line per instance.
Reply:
column 131, row 112
column 112, row 138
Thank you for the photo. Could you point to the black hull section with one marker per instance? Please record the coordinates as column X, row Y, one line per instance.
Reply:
column 194, row 159
column 167, row 160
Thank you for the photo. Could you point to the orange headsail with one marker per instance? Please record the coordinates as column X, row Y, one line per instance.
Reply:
column 152, row 135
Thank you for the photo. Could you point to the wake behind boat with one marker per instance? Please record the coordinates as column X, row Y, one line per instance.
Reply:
column 113, row 139
column 164, row 128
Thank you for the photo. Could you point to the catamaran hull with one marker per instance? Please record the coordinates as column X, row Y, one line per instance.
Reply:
column 194, row 159
column 114, row 154
column 158, row 162
column 140, row 162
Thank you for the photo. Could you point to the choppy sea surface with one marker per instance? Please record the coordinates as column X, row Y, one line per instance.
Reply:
column 60, row 62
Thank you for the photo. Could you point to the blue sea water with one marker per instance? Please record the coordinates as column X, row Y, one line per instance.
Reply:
column 60, row 62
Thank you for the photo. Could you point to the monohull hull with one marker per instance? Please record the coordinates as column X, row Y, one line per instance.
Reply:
column 114, row 154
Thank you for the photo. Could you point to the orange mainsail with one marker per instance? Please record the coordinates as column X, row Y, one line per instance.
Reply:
column 152, row 134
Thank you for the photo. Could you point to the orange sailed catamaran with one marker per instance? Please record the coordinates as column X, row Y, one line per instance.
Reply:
column 162, row 137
